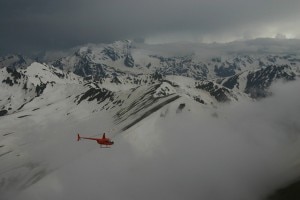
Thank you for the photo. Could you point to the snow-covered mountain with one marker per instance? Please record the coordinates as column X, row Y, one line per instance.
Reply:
column 125, row 57
column 25, row 85
column 15, row 61
column 21, row 86
column 255, row 83
column 120, row 89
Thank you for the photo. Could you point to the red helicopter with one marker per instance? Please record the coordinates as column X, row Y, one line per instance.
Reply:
column 102, row 141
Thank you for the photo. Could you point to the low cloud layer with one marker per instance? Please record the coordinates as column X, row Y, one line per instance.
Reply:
column 239, row 151
column 32, row 26
column 258, row 46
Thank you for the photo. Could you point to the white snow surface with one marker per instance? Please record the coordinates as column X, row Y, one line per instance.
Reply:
column 38, row 73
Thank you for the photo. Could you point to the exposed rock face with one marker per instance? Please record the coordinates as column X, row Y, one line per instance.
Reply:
column 220, row 93
column 259, row 81
column 129, row 62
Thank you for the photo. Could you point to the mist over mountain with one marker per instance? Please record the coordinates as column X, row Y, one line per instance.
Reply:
column 213, row 121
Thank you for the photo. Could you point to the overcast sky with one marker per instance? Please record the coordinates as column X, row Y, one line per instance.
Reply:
column 38, row 25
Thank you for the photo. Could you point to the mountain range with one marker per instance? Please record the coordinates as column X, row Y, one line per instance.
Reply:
column 124, row 84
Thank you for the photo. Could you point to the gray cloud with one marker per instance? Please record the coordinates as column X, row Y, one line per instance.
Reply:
column 35, row 25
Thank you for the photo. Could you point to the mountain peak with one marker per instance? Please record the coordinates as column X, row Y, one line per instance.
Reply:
column 14, row 61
